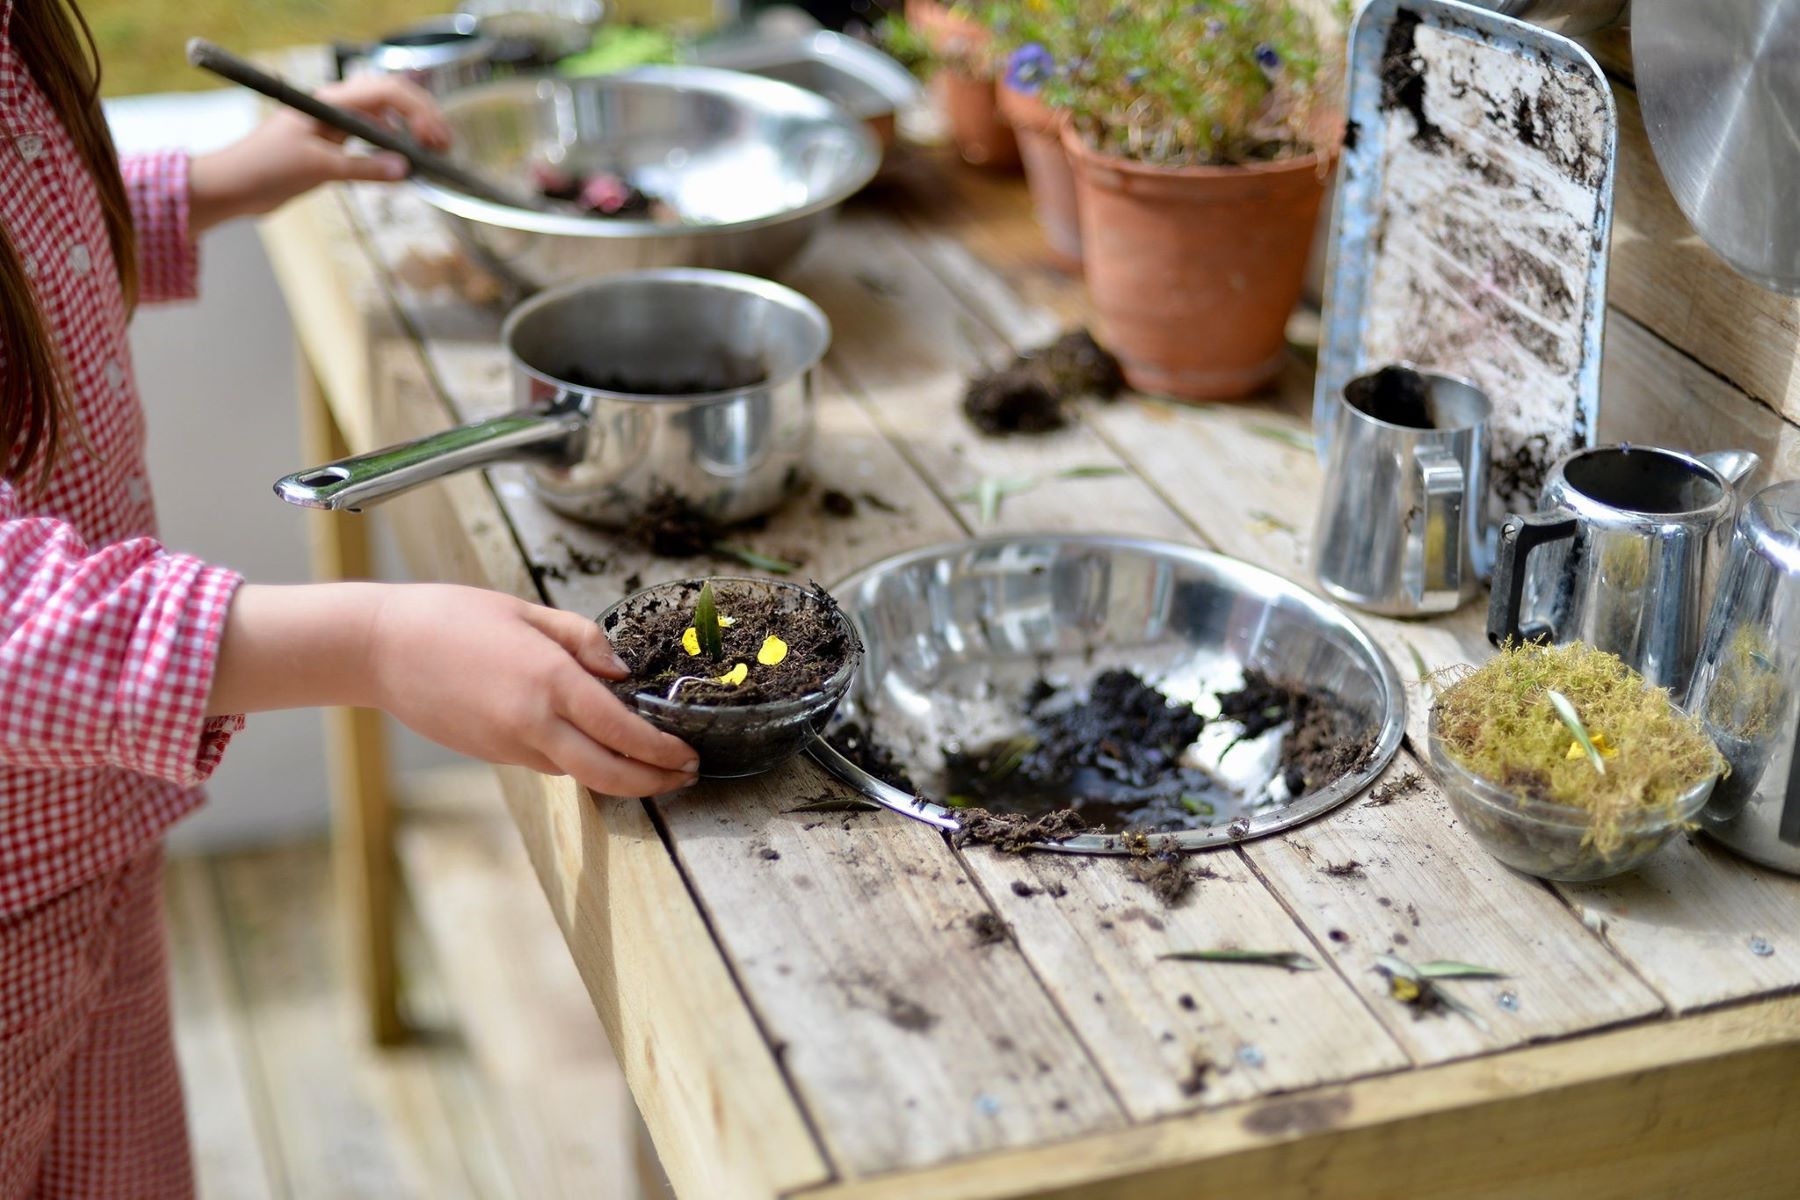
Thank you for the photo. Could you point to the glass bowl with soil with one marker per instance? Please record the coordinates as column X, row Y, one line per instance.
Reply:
column 1564, row 764
column 753, row 697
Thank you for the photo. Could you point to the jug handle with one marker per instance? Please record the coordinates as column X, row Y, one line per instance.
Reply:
column 1519, row 536
column 1440, row 577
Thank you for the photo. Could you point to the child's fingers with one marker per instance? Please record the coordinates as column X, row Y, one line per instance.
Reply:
column 601, row 716
column 378, row 95
column 383, row 167
column 604, row 771
column 580, row 637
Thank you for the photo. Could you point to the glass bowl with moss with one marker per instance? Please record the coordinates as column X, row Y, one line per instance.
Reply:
column 1565, row 764
column 746, row 671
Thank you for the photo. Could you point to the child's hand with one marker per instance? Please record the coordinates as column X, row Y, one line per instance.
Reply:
column 477, row 671
column 512, row 682
column 291, row 153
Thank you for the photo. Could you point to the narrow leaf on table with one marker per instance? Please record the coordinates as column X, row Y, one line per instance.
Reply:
column 1446, row 969
column 1280, row 433
column 835, row 804
column 750, row 558
column 1291, row 960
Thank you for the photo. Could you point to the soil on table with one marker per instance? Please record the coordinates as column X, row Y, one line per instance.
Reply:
column 650, row 641
column 1397, row 395
column 1035, row 393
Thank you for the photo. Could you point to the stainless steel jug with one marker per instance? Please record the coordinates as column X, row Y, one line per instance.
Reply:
column 1400, row 520
column 1745, row 686
column 1619, row 556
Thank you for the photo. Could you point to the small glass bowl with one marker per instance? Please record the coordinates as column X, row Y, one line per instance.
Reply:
column 1547, row 840
column 737, row 740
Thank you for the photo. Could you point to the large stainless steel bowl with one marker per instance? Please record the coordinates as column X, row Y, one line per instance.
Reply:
column 956, row 635
column 754, row 167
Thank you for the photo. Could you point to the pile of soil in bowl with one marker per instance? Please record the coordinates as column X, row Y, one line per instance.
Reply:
column 651, row 642
column 1114, row 758
column 1035, row 392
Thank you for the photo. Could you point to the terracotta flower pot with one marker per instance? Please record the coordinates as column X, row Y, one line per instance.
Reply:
column 1194, row 270
column 1038, row 128
column 967, row 98
column 982, row 136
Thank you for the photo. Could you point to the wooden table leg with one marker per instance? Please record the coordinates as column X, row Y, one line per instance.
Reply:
column 356, row 747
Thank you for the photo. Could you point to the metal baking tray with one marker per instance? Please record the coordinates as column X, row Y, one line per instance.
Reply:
column 1474, row 207
column 956, row 634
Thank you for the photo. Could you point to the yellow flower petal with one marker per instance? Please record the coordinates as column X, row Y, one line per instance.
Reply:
column 772, row 652
column 736, row 675
column 1404, row 989
column 690, row 641
column 1606, row 748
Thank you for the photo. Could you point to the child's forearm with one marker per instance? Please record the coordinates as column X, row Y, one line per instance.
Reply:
column 296, row 647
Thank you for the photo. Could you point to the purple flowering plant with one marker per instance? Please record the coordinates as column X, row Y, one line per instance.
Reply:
column 1177, row 82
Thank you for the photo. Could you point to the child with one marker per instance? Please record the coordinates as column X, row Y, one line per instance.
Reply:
column 122, row 666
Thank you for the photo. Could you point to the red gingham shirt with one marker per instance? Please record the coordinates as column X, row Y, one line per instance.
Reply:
column 107, row 641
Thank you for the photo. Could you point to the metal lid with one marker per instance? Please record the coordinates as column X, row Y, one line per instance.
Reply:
column 1721, row 95
column 1771, row 521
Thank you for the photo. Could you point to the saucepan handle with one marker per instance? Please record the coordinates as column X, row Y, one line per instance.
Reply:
column 1519, row 536
column 1439, row 542
column 353, row 483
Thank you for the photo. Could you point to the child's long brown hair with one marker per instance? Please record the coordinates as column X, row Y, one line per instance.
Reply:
column 36, row 407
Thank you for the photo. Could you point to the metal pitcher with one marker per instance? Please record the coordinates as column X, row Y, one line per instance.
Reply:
column 1744, row 689
column 1400, row 521
column 1619, row 557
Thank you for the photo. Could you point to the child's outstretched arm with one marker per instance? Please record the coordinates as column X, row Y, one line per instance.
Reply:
column 477, row 671
column 132, row 656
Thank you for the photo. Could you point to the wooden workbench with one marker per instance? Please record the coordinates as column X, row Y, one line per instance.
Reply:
column 821, row 1021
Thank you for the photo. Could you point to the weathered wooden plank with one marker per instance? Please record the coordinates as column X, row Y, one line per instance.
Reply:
column 1666, row 278
column 568, row 1123
column 912, row 1036
column 1654, row 1111
column 345, row 1119
column 712, row 1093
column 908, row 347
column 1172, row 1036
column 228, row 1120
column 1702, row 925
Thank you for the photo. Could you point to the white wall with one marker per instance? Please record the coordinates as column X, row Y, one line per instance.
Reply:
column 217, row 379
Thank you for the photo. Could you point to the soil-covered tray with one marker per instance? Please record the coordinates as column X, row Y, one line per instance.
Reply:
column 746, row 671
column 1106, row 695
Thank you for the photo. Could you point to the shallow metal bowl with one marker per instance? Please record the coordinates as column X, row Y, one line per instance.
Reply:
column 955, row 635
column 754, row 167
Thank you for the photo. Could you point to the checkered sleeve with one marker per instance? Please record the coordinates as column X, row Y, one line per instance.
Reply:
column 156, row 186
column 107, row 656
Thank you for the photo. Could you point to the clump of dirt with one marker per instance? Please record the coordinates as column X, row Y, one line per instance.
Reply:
column 852, row 740
column 1344, row 870
column 988, row 929
column 1397, row 395
column 834, row 503
column 1016, row 832
column 1405, row 784
column 1322, row 743
column 1165, row 874
column 1033, row 393
column 649, row 636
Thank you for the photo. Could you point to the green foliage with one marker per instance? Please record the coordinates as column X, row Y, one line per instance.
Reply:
column 706, row 624
column 1177, row 82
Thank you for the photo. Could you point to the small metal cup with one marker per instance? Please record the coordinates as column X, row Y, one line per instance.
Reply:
column 1400, row 522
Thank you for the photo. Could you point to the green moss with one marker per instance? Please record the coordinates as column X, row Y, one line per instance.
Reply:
column 1498, row 722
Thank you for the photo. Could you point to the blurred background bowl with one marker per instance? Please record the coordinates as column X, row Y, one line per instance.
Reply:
column 751, row 168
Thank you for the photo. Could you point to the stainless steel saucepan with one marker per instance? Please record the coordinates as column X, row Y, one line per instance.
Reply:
column 679, row 382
